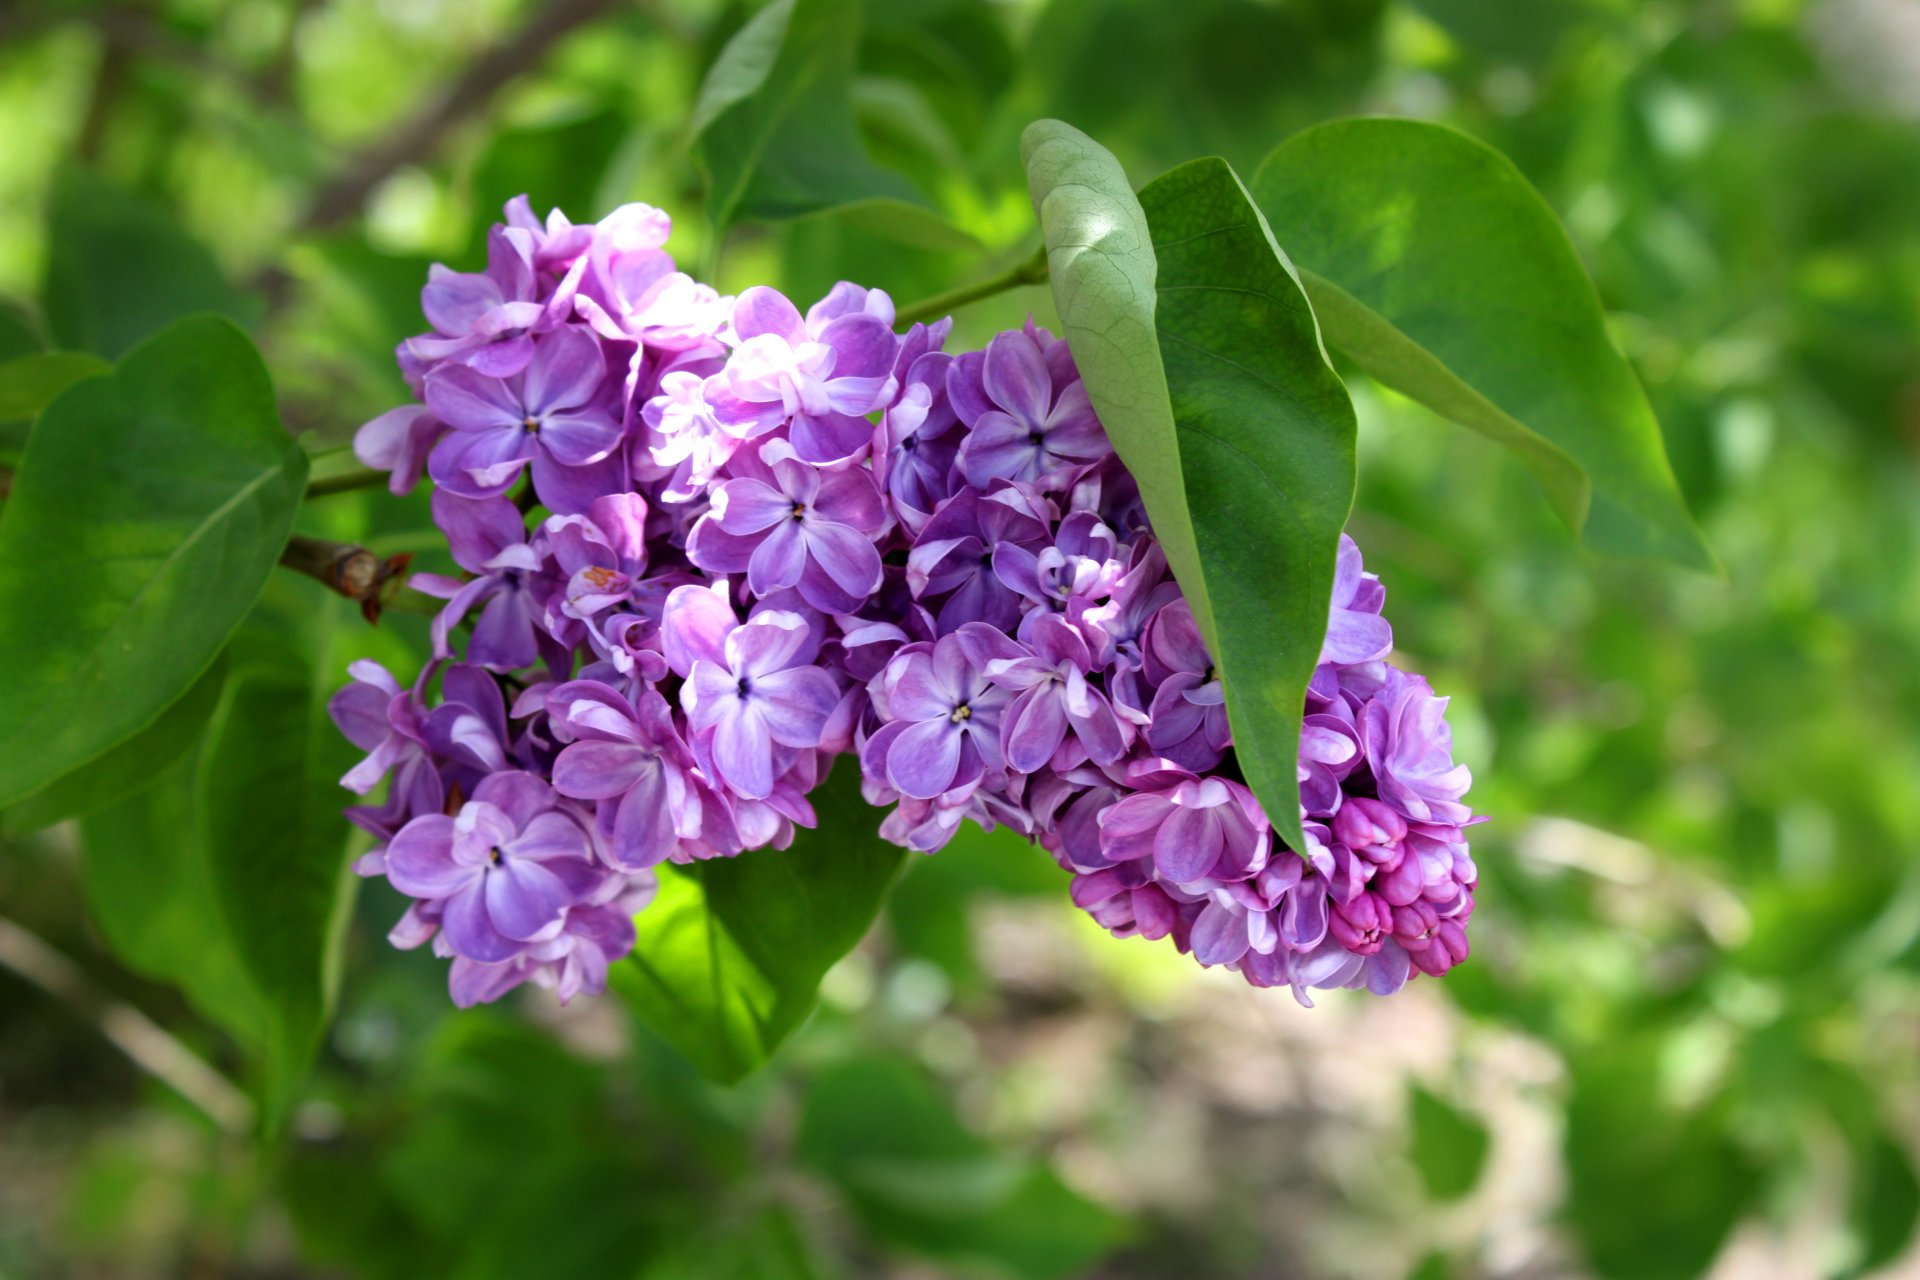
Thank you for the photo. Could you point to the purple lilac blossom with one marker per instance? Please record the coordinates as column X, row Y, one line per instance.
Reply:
column 708, row 544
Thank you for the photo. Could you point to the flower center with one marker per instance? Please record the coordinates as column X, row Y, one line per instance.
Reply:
column 599, row 576
column 493, row 857
column 961, row 714
column 799, row 511
column 531, row 423
column 1036, row 438
column 745, row 687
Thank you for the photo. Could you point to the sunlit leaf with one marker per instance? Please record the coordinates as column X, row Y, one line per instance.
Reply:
column 1441, row 272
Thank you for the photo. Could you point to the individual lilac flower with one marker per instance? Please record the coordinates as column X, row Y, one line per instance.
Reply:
column 468, row 732
column 750, row 688
column 687, row 439
column 1200, row 828
column 1052, row 695
column 398, row 441
column 488, row 537
column 576, row 962
column 484, row 319
column 1355, row 630
column 1187, row 722
column 953, row 555
column 601, row 554
column 916, row 442
column 820, row 387
column 1021, row 425
column 1329, row 753
column 945, row 731
column 630, row 755
column 498, row 425
column 506, row 867
column 792, row 525
column 1410, row 750
column 1079, row 566
column 849, row 299
column 377, row 716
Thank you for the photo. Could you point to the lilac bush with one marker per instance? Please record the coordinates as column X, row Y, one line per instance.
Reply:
column 759, row 539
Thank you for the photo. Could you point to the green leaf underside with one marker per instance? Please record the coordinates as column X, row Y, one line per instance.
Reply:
column 119, row 269
column 1266, row 434
column 29, row 383
column 1443, row 248
column 774, row 125
column 732, row 950
column 149, row 509
column 1101, row 265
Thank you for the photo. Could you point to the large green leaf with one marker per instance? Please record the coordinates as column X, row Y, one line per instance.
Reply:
column 732, row 951
column 150, row 892
column 1266, row 436
column 275, row 846
column 1442, row 273
column 29, row 383
column 1100, row 261
column 774, row 125
column 127, row 768
column 119, row 268
column 149, row 509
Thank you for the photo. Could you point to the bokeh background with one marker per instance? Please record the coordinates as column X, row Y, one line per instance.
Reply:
column 1688, row 1043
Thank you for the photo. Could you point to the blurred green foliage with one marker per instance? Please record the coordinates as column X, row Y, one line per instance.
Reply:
column 1691, row 1031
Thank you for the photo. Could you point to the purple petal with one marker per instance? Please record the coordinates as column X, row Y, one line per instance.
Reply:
column 420, row 859
column 1016, row 377
column 471, row 933
column 1219, row 935
column 924, row 759
column 600, row 770
column 566, row 370
column 524, row 898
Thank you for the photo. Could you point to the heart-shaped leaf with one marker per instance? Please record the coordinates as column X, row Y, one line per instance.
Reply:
column 149, row 509
column 1441, row 272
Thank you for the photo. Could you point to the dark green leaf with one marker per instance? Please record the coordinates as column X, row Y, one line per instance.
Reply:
column 1444, row 274
column 125, row 769
column 1449, row 1146
column 774, row 125
column 18, row 336
column 920, row 1181
column 270, row 819
column 28, row 384
column 1886, row 1202
column 732, row 951
column 150, row 892
column 1266, row 438
column 1654, row 1189
column 119, row 268
column 151, row 505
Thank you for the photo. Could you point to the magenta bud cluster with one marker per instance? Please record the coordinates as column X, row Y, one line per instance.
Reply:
column 711, row 543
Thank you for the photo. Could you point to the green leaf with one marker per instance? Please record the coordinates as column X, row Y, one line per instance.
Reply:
column 1444, row 274
column 1653, row 1188
column 149, row 891
column 18, row 336
column 270, row 819
column 1101, row 265
column 1449, row 1146
column 151, row 505
column 774, row 126
column 1266, row 437
column 127, row 768
column 29, row 383
column 732, row 951
column 119, row 268
column 1885, row 1203
column 919, row 1180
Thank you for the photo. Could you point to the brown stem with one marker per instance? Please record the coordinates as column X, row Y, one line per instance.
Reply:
column 346, row 482
column 354, row 572
column 416, row 138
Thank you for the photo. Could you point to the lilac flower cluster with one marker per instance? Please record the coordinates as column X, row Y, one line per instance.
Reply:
column 712, row 543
